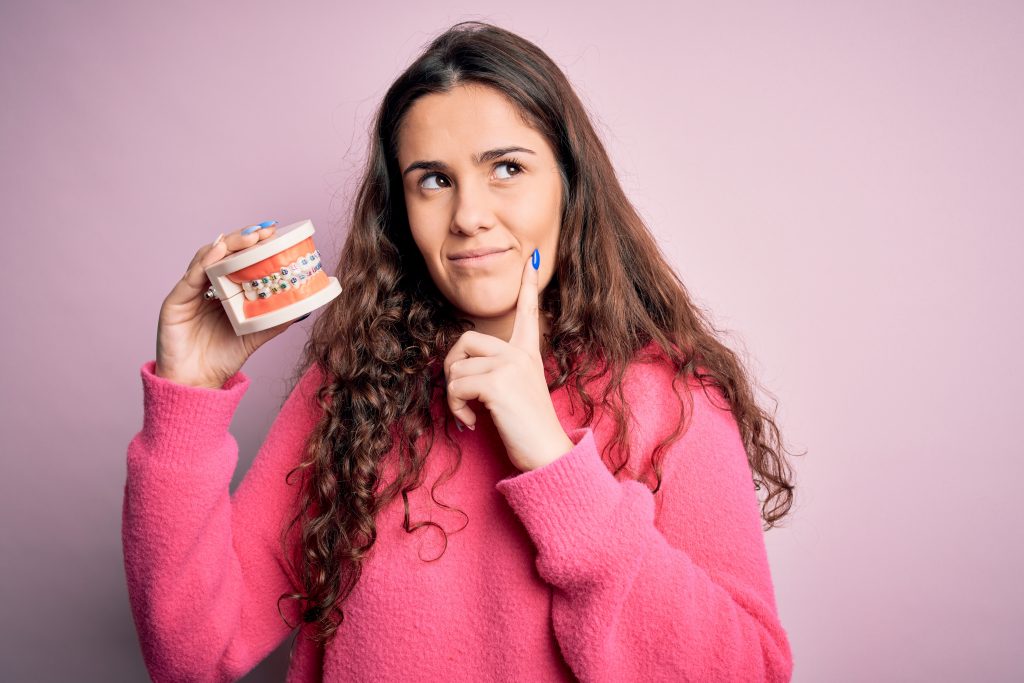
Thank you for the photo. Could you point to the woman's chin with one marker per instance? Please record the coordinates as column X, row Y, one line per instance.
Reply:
column 483, row 310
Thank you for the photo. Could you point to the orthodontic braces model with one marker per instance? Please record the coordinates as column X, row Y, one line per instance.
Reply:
column 248, row 282
column 290, row 277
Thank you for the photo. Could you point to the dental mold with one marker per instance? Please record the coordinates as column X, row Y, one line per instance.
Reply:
column 274, row 281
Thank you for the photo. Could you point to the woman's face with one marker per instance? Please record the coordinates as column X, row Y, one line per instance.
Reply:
column 475, row 176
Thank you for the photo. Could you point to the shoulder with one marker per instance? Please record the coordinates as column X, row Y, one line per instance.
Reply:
column 651, row 381
column 303, row 401
column 659, row 407
column 660, row 403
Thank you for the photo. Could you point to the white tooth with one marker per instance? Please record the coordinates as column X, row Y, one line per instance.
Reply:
column 250, row 295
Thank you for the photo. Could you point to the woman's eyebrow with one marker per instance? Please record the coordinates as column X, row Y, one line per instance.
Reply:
column 481, row 158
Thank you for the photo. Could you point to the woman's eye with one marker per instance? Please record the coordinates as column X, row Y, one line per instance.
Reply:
column 435, row 177
column 430, row 176
column 511, row 164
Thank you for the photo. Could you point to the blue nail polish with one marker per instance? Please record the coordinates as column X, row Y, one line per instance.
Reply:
column 304, row 317
column 267, row 224
column 535, row 260
column 250, row 229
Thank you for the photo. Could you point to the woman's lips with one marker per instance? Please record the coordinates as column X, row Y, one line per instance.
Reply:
column 485, row 260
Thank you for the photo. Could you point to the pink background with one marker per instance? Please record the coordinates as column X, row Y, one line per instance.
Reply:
column 840, row 184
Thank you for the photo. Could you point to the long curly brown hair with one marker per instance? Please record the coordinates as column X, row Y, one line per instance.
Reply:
column 380, row 344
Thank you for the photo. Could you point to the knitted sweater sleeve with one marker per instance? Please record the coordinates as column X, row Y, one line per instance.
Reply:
column 681, row 595
column 205, row 568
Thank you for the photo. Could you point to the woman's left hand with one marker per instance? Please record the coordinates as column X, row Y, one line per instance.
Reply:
column 508, row 379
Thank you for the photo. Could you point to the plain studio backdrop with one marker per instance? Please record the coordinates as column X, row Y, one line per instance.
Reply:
column 840, row 185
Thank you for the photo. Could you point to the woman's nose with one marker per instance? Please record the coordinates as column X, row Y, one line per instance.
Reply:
column 473, row 210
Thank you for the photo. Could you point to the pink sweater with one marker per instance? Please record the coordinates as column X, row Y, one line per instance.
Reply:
column 563, row 572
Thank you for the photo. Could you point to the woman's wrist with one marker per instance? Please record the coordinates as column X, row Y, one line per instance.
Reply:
column 170, row 376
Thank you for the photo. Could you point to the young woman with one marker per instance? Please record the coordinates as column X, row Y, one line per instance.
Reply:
column 515, row 449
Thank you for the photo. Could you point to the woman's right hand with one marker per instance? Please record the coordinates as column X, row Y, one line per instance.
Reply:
column 195, row 343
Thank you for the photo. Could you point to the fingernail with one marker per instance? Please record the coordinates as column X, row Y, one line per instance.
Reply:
column 303, row 317
column 458, row 424
column 219, row 238
column 472, row 428
column 535, row 260
column 267, row 224
column 250, row 229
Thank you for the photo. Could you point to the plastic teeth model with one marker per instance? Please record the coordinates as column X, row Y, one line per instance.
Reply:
column 274, row 281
